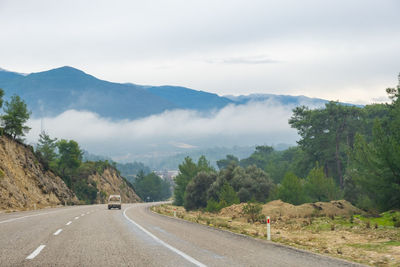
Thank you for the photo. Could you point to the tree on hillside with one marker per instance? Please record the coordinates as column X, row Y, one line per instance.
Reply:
column 70, row 157
column 46, row 148
column 16, row 115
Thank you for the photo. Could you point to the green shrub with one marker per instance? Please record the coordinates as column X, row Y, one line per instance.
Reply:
column 253, row 210
column 213, row 206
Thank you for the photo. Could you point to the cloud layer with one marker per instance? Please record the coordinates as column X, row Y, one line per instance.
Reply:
column 177, row 130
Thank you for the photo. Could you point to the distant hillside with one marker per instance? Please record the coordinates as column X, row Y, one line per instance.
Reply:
column 186, row 98
column 52, row 92
column 279, row 99
column 49, row 93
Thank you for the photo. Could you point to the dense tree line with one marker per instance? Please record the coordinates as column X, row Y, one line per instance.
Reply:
column 344, row 151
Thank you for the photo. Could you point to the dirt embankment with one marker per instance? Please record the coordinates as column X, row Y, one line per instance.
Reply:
column 111, row 183
column 278, row 209
column 24, row 183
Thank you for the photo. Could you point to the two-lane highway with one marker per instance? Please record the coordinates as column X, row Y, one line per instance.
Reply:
column 133, row 236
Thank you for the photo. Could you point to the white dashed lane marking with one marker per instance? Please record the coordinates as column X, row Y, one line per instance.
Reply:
column 41, row 247
column 58, row 232
column 36, row 252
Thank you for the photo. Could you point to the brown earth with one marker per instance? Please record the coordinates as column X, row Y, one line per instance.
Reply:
column 278, row 209
column 111, row 183
column 24, row 183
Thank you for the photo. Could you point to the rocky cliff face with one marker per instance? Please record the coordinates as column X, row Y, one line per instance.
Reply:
column 111, row 183
column 24, row 183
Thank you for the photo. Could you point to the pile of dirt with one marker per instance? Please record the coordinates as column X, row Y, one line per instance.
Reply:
column 233, row 210
column 279, row 209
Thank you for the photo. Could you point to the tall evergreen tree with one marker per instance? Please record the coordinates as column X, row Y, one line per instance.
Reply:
column 46, row 148
column 327, row 135
column 187, row 171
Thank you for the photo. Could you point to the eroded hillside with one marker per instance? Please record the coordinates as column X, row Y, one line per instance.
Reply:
column 24, row 183
column 110, row 182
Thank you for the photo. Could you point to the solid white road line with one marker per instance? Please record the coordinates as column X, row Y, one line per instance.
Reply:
column 76, row 218
column 68, row 223
column 58, row 232
column 27, row 216
column 177, row 251
column 35, row 253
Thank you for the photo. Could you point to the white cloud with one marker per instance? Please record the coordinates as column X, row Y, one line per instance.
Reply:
column 255, row 123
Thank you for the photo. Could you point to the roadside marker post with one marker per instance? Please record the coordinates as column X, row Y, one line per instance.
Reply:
column 174, row 212
column 268, row 229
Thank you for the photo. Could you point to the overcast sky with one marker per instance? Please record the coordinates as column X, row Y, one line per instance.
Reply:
column 347, row 50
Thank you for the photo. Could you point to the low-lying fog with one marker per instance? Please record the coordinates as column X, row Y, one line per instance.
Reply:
column 172, row 131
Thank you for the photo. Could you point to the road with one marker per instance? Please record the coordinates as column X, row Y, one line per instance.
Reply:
column 134, row 236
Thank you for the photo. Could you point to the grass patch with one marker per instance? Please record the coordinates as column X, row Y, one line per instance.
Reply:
column 386, row 219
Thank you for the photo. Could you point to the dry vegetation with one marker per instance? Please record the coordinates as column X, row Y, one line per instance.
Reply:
column 333, row 228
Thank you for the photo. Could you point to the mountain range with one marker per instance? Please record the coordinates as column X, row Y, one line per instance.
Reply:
column 52, row 92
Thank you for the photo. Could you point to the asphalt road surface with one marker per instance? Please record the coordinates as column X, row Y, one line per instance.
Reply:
column 134, row 236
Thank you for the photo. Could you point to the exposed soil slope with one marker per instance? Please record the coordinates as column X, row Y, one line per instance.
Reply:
column 24, row 183
column 111, row 183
